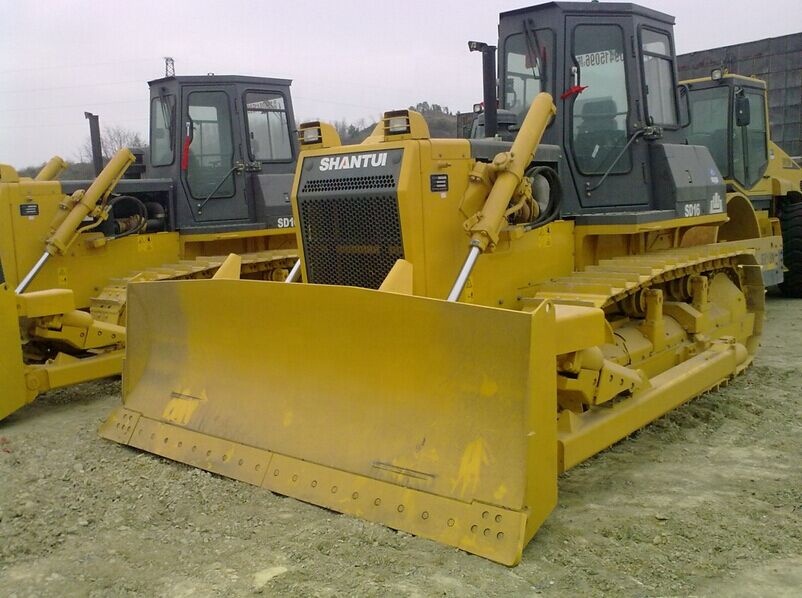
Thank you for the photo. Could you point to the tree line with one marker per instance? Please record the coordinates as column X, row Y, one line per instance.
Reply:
column 112, row 139
column 442, row 123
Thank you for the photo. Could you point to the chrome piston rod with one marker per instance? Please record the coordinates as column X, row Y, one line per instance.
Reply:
column 32, row 274
column 296, row 270
column 459, row 284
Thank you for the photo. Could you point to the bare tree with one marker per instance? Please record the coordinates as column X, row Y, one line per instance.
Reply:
column 112, row 139
column 342, row 128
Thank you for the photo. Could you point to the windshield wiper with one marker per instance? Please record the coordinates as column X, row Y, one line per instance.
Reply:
column 167, row 115
column 534, row 48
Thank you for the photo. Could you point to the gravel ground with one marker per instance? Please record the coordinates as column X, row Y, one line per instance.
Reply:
column 707, row 502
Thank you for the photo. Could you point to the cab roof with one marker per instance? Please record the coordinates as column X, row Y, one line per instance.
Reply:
column 593, row 8
column 221, row 79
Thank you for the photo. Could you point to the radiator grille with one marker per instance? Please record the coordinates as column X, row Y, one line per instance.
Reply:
column 354, row 183
column 350, row 240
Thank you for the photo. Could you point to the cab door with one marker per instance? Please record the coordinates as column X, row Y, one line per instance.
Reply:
column 601, row 116
column 212, row 168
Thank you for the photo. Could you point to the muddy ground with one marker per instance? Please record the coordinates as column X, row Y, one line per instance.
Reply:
column 706, row 502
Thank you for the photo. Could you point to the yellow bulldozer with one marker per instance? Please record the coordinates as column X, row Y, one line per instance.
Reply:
column 475, row 316
column 729, row 115
column 218, row 177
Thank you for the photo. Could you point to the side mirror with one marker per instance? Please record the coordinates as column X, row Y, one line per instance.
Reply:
column 743, row 115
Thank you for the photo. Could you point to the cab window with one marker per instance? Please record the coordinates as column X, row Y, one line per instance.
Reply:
column 162, row 130
column 658, row 77
column 211, row 152
column 749, row 144
column 599, row 115
column 526, row 60
column 709, row 122
column 268, row 128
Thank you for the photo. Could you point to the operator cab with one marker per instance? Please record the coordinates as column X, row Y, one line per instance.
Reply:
column 728, row 116
column 228, row 144
column 611, row 70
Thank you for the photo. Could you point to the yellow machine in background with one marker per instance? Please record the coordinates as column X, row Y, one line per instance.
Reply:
column 50, row 316
column 67, row 317
column 69, row 248
column 12, row 368
column 729, row 115
column 475, row 317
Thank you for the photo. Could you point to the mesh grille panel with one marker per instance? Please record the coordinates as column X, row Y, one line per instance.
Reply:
column 349, row 240
column 354, row 183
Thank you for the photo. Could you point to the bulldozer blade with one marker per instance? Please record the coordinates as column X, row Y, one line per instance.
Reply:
column 13, row 390
column 430, row 417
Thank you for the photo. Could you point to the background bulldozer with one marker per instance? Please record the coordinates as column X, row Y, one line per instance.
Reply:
column 218, row 176
column 729, row 116
column 475, row 316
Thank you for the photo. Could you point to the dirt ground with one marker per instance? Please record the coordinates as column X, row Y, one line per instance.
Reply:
column 705, row 502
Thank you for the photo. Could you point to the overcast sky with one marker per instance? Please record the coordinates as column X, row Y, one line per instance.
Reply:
column 348, row 59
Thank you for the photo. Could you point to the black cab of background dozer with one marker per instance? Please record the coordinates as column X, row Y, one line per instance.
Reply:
column 237, row 176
